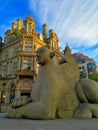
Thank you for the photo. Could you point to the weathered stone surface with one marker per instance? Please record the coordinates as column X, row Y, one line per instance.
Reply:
column 83, row 112
column 47, row 90
column 23, row 100
column 57, row 91
column 65, row 114
column 69, row 101
column 87, row 91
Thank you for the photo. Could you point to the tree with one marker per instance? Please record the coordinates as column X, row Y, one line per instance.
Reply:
column 94, row 76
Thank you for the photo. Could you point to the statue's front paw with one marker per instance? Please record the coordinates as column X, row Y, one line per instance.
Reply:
column 11, row 113
column 18, row 102
column 83, row 112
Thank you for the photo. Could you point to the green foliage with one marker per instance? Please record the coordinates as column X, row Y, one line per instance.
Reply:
column 94, row 76
column 17, row 33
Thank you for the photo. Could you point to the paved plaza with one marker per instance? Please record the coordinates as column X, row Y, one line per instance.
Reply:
column 58, row 124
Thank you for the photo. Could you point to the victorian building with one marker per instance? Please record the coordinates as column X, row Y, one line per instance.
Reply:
column 86, row 65
column 18, row 67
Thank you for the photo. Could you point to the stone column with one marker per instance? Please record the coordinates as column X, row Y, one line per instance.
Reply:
column 22, row 59
column 17, row 93
column 19, row 63
column 8, row 70
column 33, row 45
column 23, row 45
column 0, row 96
column 11, row 68
column 7, row 99
column 34, row 64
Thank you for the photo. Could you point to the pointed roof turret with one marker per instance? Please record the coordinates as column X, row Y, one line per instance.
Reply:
column 29, row 24
column 29, row 18
column 67, row 49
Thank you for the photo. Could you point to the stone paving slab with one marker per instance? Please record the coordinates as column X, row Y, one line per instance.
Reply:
column 58, row 124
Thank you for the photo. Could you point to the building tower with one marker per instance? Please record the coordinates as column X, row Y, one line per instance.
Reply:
column 29, row 25
column 67, row 50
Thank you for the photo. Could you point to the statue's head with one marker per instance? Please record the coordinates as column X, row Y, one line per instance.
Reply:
column 43, row 55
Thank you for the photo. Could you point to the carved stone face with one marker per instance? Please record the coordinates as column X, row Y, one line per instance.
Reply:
column 42, row 55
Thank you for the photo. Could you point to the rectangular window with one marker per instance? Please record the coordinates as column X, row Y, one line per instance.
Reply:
column 28, row 47
column 27, row 63
column 6, row 55
column 82, row 67
column 16, row 50
column 4, row 70
column 15, row 66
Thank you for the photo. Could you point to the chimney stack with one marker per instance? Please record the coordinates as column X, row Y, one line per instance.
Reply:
column 14, row 26
column 44, row 32
column 19, row 26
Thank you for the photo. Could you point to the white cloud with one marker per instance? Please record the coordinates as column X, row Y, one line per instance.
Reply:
column 6, row 26
column 10, row 21
column 94, row 53
column 77, row 20
column 3, row 28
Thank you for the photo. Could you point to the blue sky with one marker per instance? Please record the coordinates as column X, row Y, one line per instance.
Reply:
column 74, row 21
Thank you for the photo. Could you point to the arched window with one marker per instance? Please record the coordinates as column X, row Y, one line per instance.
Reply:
column 4, row 85
column 3, row 97
column 12, row 93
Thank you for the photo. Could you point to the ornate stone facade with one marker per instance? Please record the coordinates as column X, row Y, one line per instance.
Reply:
column 18, row 67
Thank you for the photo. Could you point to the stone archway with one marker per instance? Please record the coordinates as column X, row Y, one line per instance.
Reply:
column 3, row 92
column 10, row 83
column 11, row 91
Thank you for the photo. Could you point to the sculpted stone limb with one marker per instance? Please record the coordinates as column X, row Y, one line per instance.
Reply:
column 87, row 110
column 87, row 91
column 18, row 102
